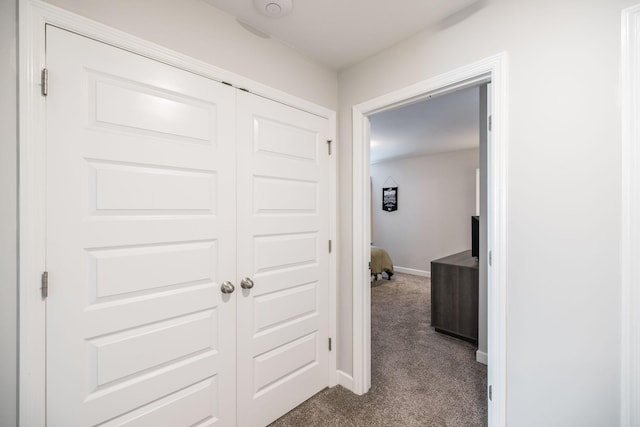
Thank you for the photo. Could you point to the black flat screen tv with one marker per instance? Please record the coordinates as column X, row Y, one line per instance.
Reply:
column 475, row 236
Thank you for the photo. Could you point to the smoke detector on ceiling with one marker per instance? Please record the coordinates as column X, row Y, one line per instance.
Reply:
column 274, row 8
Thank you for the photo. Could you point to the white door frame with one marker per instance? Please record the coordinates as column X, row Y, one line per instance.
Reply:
column 33, row 16
column 491, row 69
column 630, row 231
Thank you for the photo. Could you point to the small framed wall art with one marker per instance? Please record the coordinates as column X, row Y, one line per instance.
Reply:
column 389, row 199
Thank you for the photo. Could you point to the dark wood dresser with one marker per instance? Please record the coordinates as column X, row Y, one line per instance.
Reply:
column 454, row 296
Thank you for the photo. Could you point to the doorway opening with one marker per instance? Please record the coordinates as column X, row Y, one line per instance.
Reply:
column 431, row 156
column 490, row 70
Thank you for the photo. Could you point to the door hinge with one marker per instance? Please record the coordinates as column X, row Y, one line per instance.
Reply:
column 490, row 392
column 44, row 281
column 329, row 146
column 329, row 246
column 489, row 123
column 490, row 257
column 44, row 82
column 329, row 344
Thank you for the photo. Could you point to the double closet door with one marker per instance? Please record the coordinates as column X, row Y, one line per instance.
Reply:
column 187, row 227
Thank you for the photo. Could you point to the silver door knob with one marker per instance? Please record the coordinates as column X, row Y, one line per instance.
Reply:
column 246, row 283
column 227, row 288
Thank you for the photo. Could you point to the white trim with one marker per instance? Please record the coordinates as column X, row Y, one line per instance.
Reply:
column 630, row 231
column 345, row 380
column 415, row 272
column 361, row 198
column 33, row 15
column 490, row 69
column 31, row 229
column 482, row 357
column 333, row 256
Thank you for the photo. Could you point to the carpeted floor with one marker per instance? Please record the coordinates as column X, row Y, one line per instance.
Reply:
column 419, row 377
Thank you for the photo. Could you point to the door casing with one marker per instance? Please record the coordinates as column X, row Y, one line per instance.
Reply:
column 630, row 231
column 492, row 69
column 34, row 15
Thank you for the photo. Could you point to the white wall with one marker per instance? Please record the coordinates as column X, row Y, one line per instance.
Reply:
column 563, row 207
column 8, row 214
column 436, row 198
column 197, row 29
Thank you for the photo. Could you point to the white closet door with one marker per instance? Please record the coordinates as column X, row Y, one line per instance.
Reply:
column 283, row 232
column 140, row 236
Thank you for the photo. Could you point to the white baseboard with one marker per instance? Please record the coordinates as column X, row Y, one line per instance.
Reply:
column 482, row 357
column 422, row 273
column 345, row 380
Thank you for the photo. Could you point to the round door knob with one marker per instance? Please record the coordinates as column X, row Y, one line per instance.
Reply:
column 227, row 288
column 246, row 283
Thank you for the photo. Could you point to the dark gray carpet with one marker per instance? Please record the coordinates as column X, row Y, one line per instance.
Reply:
column 419, row 377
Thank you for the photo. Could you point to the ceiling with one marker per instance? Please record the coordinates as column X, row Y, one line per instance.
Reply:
column 339, row 33
column 445, row 123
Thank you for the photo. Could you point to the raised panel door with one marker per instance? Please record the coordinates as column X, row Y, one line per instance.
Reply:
column 140, row 234
column 283, row 233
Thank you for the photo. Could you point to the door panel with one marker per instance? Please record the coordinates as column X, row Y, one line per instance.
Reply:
column 283, row 233
column 185, row 407
column 140, row 235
